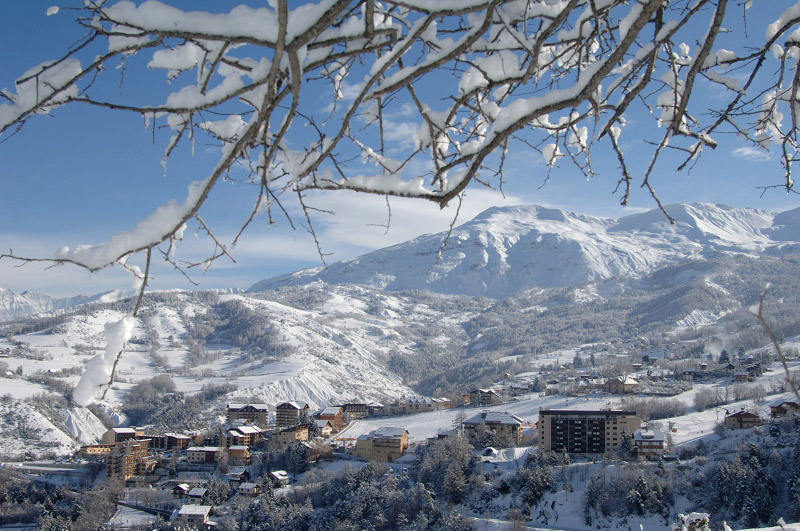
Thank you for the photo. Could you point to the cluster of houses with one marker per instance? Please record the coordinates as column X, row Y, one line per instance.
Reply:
column 133, row 454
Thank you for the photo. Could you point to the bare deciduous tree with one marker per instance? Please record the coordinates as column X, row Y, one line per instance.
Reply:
column 305, row 96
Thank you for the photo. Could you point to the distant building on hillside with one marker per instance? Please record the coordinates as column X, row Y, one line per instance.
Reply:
column 334, row 414
column 506, row 427
column 483, row 397
column 782, row 407
column 255, row 413
column 649, row 443
column 742, row 420
column 620, row 386
column 289, row 413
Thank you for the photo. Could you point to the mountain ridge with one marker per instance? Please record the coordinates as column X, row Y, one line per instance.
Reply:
column 505, row 250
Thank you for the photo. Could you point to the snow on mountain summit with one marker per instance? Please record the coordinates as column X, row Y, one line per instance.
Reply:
column 508, row 249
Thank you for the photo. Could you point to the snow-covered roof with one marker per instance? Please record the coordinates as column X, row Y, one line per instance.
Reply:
column 177, row 436
column 495, row 417
column 194, row 510
column 742, row 413
column 204, row 449
column 238, row 447
column 649, row 436
column 279, row 474
column 247, row 486
column 263, row 407
column 384, row 432
column 331, row 410
column 783, row 400
column 418, row 400
column 247, row 429
column 198, row 492
column 124, row 430
column 322, row 423
column 293, row 405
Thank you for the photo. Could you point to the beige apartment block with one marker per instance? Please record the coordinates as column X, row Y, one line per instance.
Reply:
column 585, row 431
column 383, row 444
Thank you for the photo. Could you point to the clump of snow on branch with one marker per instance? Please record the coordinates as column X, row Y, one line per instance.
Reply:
column 146, row 234
column 98, row 369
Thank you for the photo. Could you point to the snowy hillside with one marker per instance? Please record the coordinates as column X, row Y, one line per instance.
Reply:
column 506, row 250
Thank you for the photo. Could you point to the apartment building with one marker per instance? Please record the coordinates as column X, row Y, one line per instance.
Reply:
column 254, row 413
column 584, row 431
column 649, row 444
column 288, row 413
column 130, row 458
column 383, row 444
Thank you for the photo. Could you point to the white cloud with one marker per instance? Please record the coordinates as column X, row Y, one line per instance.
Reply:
column 360, row 220
column 752, row 154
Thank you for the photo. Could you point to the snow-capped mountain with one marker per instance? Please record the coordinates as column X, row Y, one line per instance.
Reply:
column 506, row 250
column 18, row 305
column 555, row 280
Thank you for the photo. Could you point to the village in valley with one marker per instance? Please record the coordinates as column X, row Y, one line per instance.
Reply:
column 657, row 407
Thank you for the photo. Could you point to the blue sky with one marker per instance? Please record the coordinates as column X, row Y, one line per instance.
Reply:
column 83, row 174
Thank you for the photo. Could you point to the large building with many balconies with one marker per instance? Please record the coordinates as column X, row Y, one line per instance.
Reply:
column 584, row 431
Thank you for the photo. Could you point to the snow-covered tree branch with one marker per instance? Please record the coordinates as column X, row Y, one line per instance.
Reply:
column 304, row 96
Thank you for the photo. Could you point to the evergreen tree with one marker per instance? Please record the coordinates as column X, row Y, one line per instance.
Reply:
column 794, row 480
column 724, row 357
column 625, row 449
column 454, row 486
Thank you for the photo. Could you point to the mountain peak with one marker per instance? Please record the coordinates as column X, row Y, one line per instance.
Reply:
column 504, row 250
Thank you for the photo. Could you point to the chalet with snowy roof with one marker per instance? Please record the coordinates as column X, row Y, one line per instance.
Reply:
column 741, row 376
column 197, row 495
column 742, row 420
column 782, row 407
column 194, row 515
column 416, row 404
column 293, row 434
column 254, row 413
column 249, row 489
column 237, row 475
column 649, row 444
column 334, row 414
column 289, row 413
column 507, row 427
column 483, row 397
column 383, row 444
column 324, row 427
column 278, row 478
column 181, row 490
column 619, row 385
